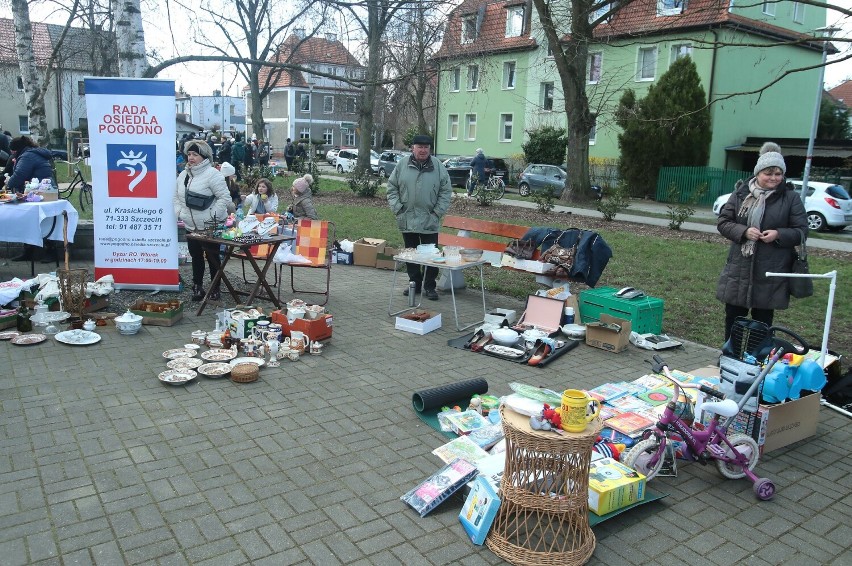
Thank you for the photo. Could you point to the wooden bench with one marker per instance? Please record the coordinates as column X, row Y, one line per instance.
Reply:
column 476, row 226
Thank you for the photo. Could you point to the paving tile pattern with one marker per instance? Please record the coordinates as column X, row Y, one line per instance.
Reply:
column 102, row 464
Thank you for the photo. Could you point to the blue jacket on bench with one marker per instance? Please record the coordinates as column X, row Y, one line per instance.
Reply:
column 593, row 253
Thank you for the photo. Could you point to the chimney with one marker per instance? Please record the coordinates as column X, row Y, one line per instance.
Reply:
column 331, row 36
column 299, row 33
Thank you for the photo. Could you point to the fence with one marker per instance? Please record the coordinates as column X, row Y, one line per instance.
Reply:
column 691, row 179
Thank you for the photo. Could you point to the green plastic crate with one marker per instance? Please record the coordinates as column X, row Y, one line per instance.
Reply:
column 644, row 313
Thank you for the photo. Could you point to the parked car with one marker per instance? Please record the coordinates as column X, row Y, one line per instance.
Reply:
column 347, row 158
column 538, row 177
column 388, row 160
column 331, row 154
column 60, row 154
column 459, row 169
column 829, row 206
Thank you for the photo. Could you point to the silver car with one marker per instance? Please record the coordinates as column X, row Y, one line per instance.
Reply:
column 539, row 177
column 829, row 206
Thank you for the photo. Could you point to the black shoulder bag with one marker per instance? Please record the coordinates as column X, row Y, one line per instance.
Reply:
column 197, row 201
column 801, row 287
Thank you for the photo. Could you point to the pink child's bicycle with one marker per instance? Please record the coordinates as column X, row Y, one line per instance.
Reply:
column 735, row 455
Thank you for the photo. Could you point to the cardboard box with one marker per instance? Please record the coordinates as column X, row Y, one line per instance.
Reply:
column 9, row 321
column 366, row 250
column 50, row 196
column 162, row 315
column 318, row 329
column 543, row 313
column 644, row 313
column 384, row 259
column 608, row 338
column 242, row 327
column 773, row 426
column 613, row 486
column 341, row 257
column 534, row 266
column 416, row 327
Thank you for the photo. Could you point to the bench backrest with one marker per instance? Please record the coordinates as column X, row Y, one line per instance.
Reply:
column 476, row 226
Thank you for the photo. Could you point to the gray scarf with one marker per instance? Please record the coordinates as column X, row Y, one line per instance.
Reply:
column 752, row 210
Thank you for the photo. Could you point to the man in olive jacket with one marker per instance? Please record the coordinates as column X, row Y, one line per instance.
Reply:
column 419, row 194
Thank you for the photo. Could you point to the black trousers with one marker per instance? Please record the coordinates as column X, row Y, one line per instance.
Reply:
column 198, row 251
column 732, row 312
column 415, row 273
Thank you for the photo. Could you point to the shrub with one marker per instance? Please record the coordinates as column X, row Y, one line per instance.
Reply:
column 616, row 200
column 364, row 184
column 544, row 200
column 678, row 211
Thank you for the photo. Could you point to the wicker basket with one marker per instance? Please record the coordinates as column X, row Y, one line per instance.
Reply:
column 244, row 373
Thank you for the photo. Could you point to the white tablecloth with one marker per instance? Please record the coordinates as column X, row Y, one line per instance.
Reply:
column 30, row 222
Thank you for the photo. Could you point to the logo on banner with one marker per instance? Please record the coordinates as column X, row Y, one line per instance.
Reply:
column 132, row 170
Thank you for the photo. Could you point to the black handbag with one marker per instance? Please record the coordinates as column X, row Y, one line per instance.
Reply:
column 198, row 201
column 521, row 249
column 801, row 287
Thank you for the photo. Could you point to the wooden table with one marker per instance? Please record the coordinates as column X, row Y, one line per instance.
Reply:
column 231, row 247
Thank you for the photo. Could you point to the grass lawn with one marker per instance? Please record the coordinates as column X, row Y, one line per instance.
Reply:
column 681, row 271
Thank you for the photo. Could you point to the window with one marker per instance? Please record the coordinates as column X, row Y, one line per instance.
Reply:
column 348, row 136
column 669, row 7
column 597, row 14
column 327, row 104
column 455, row 80
column 472, row 77
column 305, row 134
column 470, row 127
column 81, row 88
column 647, row 64
column 798, row 12
column 24, row 124
column 453, row 127
column 20, row 84
column 505, row 127
column 351, row 103
column 593, row 133
column 769, row 7
column 216, row 108
column 681, row 50
column 514, row 21
column 305, row 102
column 468, row 29
column 547, row 97
column 328, row 136
column 595, row 60
column 509, row 74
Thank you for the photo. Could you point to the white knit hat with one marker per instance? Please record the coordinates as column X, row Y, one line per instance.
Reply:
column 227, row 169
column 770, row 156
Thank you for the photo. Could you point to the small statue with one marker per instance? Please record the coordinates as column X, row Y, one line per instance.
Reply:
column 475, row 405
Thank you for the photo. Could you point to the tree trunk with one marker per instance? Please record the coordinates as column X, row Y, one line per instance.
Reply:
column 131, row 38
column 365, row 112
column 33, row 89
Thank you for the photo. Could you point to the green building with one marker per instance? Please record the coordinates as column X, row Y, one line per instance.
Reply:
column 497, row 81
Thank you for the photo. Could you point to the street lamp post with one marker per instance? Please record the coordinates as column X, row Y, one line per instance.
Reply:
column 827, row 33
column 310, row 120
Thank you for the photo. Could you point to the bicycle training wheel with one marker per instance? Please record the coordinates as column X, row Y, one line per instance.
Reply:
column 746, row 446
column 85, row 196
column 640, row 455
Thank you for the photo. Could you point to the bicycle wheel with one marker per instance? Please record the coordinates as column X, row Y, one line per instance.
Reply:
column 85, row 196
column 67, row 192
column 498, row 187
column 640, row 455
column 746, row 446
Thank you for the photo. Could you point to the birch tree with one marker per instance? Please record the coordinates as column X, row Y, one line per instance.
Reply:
column 132, row 61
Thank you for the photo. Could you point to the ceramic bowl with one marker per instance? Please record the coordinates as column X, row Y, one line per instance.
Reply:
column 505, row 336
column 128, row 323
column 296, row 312
column 468, row 254
column 574, row 330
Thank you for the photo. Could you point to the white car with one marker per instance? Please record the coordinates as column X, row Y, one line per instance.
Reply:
column 829, row 206
column 346, row 159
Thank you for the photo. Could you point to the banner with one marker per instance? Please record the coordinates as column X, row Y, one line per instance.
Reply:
column 132, row 154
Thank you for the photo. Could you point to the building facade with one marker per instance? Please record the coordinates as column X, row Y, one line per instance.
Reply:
column 498, row 81
column 214, row 112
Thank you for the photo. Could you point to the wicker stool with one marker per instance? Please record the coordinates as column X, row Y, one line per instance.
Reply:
column 544, row 516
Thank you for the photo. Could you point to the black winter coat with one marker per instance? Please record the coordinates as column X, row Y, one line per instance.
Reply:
column 743, row 281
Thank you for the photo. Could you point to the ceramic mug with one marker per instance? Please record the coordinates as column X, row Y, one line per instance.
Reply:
column 575, row 409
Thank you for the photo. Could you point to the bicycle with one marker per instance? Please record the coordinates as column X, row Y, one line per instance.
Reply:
column 77, row 182
column 494, row 185
column 735, row 455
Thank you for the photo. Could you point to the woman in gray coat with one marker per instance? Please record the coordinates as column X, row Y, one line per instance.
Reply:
column 765, row 220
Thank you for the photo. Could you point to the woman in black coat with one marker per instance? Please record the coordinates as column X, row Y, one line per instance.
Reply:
column 764, row 219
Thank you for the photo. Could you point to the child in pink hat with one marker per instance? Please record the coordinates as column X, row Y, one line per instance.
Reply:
column 303, row 204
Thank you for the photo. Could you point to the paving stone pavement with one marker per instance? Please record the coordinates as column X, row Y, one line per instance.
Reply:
column 102, row 464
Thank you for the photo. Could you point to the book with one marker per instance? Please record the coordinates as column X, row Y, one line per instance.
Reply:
column 629, row 403
column 610, row 391
column 479, row 510
column 631, row 424
column 465, row 421
column 432, row 491
column 617, row 437
column 607, row 412
column 462, row 447
column 491, row 469
column 651, row 381
column 659, row 396
column 487, row 436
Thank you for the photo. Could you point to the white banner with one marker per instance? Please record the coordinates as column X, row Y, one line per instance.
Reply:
column 132, row 154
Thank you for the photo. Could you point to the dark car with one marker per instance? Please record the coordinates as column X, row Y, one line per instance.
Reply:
column 538, row 177
column 388, row 160
column 459, row 169
column 60, row 154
